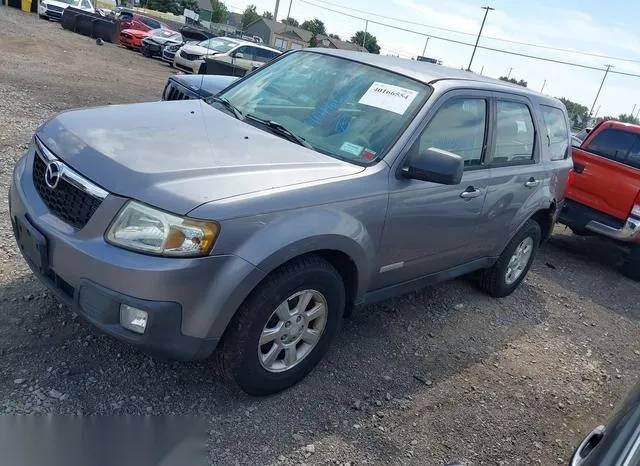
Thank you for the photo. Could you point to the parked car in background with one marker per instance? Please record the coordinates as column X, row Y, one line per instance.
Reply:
column 582, row 134
column 618, row 442
column 603, row 192
column 237, row 53
column 53, row 9
column 190, row 35
column 151, row 46
column 253, row 228
column 132, row 38
column 192, row 86
column 130, row 20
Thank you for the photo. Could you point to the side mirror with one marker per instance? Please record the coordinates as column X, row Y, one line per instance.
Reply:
column 436, row 166
column 238, row 55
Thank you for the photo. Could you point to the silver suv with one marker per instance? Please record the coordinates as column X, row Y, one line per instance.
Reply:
column 252, row 221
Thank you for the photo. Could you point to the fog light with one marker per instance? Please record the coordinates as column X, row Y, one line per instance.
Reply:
column 133, row 318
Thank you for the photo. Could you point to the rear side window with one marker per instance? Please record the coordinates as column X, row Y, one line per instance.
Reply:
column 515, row 134
column 458, row 127
column 264, row 55
column 620, row 146
column 557, row 132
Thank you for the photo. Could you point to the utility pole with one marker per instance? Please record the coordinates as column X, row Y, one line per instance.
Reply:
column 481, row 70
column 289, row 11
column 364, row 39
column 509, row 74
column 597, row 111
column 275, row 13
column 543, row 84
column 634, row 109
column 424, row 50
column 600, row 88
column 486, row 12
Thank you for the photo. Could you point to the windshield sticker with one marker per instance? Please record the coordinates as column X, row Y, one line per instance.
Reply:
column 351, row 148
column 388, row 97
column 367, row 155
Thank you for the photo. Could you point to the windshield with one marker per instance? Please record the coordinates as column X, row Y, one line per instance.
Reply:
column 342, row 108
column 218, row 45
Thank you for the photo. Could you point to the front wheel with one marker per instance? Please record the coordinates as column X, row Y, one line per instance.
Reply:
column 513, row 264
column 284, row 328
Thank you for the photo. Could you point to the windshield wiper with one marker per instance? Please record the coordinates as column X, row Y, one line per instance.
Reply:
column 282, row 131
column 229, row 106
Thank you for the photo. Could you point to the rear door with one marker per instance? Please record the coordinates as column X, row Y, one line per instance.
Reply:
column 607, row 171
column 243, row 57
column 517, row 172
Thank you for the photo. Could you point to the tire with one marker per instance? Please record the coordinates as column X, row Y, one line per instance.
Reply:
column 145, row 52
column 494, row 280
column 631, row 267
column 238, row 355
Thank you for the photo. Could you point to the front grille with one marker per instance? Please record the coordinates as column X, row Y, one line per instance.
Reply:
column 188, row 56
column 57, row 9
column 66, row 201
column 54, row 14
column 173, row 92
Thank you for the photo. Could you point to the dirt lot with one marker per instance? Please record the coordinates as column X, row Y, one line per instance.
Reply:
column 444, row 374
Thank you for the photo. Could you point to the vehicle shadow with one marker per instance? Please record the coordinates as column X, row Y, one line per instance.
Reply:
column 385, row 356
column 598, row 262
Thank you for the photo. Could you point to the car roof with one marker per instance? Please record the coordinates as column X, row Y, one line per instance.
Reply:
column 429, row 72
column 247, row 42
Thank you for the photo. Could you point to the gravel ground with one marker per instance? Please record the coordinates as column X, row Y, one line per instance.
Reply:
column 426, row 379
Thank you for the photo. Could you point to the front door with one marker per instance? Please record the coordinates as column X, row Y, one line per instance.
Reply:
column 431, row 227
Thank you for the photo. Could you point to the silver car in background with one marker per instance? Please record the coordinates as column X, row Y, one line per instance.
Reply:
column 252, row 221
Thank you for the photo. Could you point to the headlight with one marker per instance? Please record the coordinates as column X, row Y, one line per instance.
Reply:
column 152, row 231
column 44, row 5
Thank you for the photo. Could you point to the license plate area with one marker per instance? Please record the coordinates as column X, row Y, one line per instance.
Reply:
column 32, row 243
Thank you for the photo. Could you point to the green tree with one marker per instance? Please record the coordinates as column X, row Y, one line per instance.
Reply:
column 249, row 15
column 219, row 12
column 267, row 15
column 315, row 26
column 520, row 82
column 623, row 117
column 291, row 22
column 368, row 40
column 578, row 114
column 334, row 36
column 313, row 42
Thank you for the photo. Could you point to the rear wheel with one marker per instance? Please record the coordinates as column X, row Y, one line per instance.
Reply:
column 631, row 267
column 284, row 328
column 513, row 264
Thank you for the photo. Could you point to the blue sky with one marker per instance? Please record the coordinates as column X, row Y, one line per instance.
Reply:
column 587, row 25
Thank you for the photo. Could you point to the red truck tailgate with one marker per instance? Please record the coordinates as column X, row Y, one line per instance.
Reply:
column 603, row 184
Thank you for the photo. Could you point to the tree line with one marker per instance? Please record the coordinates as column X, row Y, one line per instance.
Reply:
column 579, row 114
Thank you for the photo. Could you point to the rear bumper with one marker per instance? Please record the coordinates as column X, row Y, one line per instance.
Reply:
column 585, row 219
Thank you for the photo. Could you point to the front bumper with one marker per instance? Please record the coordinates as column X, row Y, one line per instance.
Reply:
column 187, row 65
column 132, row 42
column 585, row 219
column 154, row 50
column 189, row 301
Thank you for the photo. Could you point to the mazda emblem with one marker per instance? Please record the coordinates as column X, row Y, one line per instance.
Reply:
column 53, row 173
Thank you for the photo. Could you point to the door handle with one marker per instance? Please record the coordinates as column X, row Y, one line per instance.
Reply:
column 532, row 183
column 470, row 193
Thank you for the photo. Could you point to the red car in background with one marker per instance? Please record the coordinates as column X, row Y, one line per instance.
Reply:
column 132, row 38
column 131, row 20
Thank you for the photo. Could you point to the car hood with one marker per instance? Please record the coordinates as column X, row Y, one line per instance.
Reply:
column 162, row 40
column 136, row 32
column 197, row 50
column 178, row 155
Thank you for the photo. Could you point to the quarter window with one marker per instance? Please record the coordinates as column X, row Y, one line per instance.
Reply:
column 557, row 132
column 515, row 134
column 458, row 127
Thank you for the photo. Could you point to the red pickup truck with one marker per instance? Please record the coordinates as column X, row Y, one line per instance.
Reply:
column 603, row 191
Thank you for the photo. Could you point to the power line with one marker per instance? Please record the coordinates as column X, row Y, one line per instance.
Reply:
column 484, row 47
column 415, row 23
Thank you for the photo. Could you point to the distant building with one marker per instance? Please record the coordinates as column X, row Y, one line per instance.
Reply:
column 333, row 43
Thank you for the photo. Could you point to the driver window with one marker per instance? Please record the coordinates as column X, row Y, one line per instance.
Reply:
column 458, row 127
column 246, row 51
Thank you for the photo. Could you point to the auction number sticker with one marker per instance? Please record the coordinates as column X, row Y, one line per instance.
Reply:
column 388, row 97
